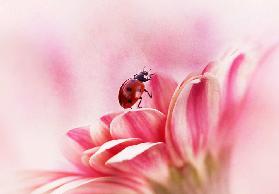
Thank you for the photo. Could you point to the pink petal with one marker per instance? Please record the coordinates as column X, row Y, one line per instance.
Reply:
column 107, row 150
column 242, row 67
column 73, row 152
column 209, row 68
column 48, row 187
column 106, row 119
column 72, row 185
column 234, row 89
column 81, row 135
column 162, row 88
column 256, row 154
column 105, row 185
column 146, row 159
column 100, row 131
column 203, row 111
column 192, row 117
column 39, row 181
column 146, row 124
column 235, row 73
column 86, row 155
column 232, row 84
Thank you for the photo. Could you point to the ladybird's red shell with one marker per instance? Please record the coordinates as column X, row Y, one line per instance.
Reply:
column 129, row 93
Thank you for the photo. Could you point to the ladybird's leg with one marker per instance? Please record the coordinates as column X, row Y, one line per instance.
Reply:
column 150, row 76
column 140, row 102
column 149, row 94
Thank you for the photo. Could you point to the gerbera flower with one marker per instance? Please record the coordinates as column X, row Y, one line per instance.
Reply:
column 182, row 142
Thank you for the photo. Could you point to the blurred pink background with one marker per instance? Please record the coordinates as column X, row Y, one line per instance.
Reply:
column 62, row 63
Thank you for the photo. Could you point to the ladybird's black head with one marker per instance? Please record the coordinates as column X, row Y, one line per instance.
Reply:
column 143, row 76
column 144, row 72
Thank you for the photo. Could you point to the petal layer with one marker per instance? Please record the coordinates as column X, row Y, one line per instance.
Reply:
column 73, row 152
column 86, row 155
column 81, row 135
column 106, row 151
column 192, row 117
column 50, row 186
column 107, row 185
column 162, row 88
column 147, row 160
column 100, row 131
column 146, row 124
column 235, row 73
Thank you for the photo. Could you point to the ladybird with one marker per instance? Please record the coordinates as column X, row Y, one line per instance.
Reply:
column 132, row 89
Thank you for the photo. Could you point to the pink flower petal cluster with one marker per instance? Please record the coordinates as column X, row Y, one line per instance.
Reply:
column 182, row 143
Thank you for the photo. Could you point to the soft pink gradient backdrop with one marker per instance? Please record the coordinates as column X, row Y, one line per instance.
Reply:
column 62, row 63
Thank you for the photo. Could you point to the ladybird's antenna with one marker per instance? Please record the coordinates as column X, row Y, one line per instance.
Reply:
column 144, row 68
